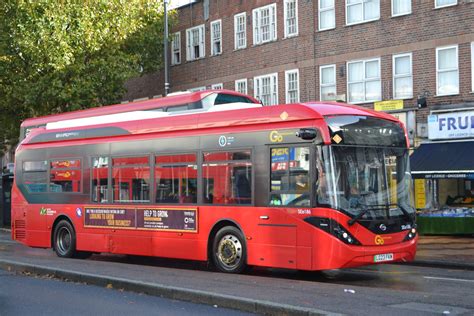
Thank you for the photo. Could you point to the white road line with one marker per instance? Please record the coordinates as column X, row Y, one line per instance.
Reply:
column 448, row 279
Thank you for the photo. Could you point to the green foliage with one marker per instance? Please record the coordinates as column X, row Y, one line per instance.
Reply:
column 63, row 55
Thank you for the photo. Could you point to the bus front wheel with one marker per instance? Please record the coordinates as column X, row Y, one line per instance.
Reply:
column 229, row 253
column 64, row 240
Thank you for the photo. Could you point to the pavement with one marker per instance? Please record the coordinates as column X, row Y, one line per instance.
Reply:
column 449, row 252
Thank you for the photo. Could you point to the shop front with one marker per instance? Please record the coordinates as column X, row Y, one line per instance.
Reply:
column 443, row 172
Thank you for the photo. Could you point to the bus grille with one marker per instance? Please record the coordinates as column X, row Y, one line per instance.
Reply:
column 20, row 232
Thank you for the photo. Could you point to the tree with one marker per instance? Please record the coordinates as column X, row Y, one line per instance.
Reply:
column 58, row 56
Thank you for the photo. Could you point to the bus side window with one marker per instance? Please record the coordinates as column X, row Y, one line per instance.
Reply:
column 227, row 177
column 176, row 178
column 100, row 179
column 289, row 181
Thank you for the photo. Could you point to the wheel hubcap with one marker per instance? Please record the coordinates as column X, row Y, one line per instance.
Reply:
column 64, row 240
column 229, row 251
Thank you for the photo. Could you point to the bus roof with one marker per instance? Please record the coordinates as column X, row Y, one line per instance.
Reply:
column 173, row 99
column 255, row 118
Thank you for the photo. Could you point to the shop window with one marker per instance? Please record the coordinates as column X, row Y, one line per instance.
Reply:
column 227, row 178
column 290, row 176
column 100, row 179
column 65, row 175
column 131, row 179
column 35, row 176
column 176, row 178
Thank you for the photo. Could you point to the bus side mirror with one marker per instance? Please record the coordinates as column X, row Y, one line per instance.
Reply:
column 307, row 133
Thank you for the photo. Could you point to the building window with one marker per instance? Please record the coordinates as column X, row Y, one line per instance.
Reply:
column 195, row 43
column 266, row 89
column 292, row 86
column 363, row 81
column 227, row 177
column 445, row 3
column 291, row 17
column 216, row 37
column 240, row 31
column 447, row 71
column 176, row 47
column 327, row 82
column 402, row 76
column 472, row 66
column 217, row 86
column 264, row 24
column 327, row 15
column 401, row 7
column 241, row 86
column 360, row 11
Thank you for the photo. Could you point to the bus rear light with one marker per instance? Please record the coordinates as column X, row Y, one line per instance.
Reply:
column 334, row 228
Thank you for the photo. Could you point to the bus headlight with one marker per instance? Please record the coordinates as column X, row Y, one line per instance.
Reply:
column 334, row 228
column 411, row 234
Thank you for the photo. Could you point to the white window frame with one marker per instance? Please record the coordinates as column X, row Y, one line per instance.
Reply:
column 364, row 81
column 287, row 85
column 444, row 6
column 446, row 70
column 472, row 66
column 402, row 13
column 273, row 87
column 321, row 10
column 285, row 18
column 214, row 40
column 202, row 43
column 245, row 84
column 395, row 76
column 272, row 24
column 363, row 10
column 321, row 85
column 197, row 89
column 176, row 37
column 217, row 86
column 236, row 24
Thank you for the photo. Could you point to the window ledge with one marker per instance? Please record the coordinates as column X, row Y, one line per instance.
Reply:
column 445, row 6
column 446, row 95
column 362, row 22
column 268, row 42
column 290, row 36
column 328, row 29
column 401, row 14
column 241, row 48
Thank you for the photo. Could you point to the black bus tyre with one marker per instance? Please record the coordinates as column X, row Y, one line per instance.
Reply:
column 64, row 240
column 229, row 253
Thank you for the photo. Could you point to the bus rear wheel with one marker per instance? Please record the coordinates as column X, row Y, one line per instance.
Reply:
column 229, row 253
column 64, row 240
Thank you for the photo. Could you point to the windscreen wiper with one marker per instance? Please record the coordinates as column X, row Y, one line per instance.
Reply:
column 367, row 208
column 364, row 211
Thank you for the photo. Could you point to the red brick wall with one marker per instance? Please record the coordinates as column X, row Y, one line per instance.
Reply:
column 419, row 32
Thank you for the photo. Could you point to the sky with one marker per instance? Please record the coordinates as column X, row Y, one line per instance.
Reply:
column 178, row 3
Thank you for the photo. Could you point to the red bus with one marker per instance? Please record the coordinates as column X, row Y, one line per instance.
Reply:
column 180, row 101
column 309, row 186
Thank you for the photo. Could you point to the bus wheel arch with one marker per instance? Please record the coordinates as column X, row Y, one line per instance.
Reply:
column 227, row 247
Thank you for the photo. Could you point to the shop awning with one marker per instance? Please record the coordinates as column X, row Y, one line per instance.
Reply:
column 443, row 160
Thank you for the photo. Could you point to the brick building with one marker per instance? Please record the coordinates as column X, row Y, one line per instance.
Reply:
column 288, row 50
column 411, row 58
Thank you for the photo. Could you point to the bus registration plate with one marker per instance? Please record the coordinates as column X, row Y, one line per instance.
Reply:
column 383, row 257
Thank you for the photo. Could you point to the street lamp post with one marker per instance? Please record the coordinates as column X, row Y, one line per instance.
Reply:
column 167, row 81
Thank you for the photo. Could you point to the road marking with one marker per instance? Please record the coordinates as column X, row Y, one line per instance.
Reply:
column 448, row 279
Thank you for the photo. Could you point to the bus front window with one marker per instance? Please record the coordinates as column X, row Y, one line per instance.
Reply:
column 372, row 180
